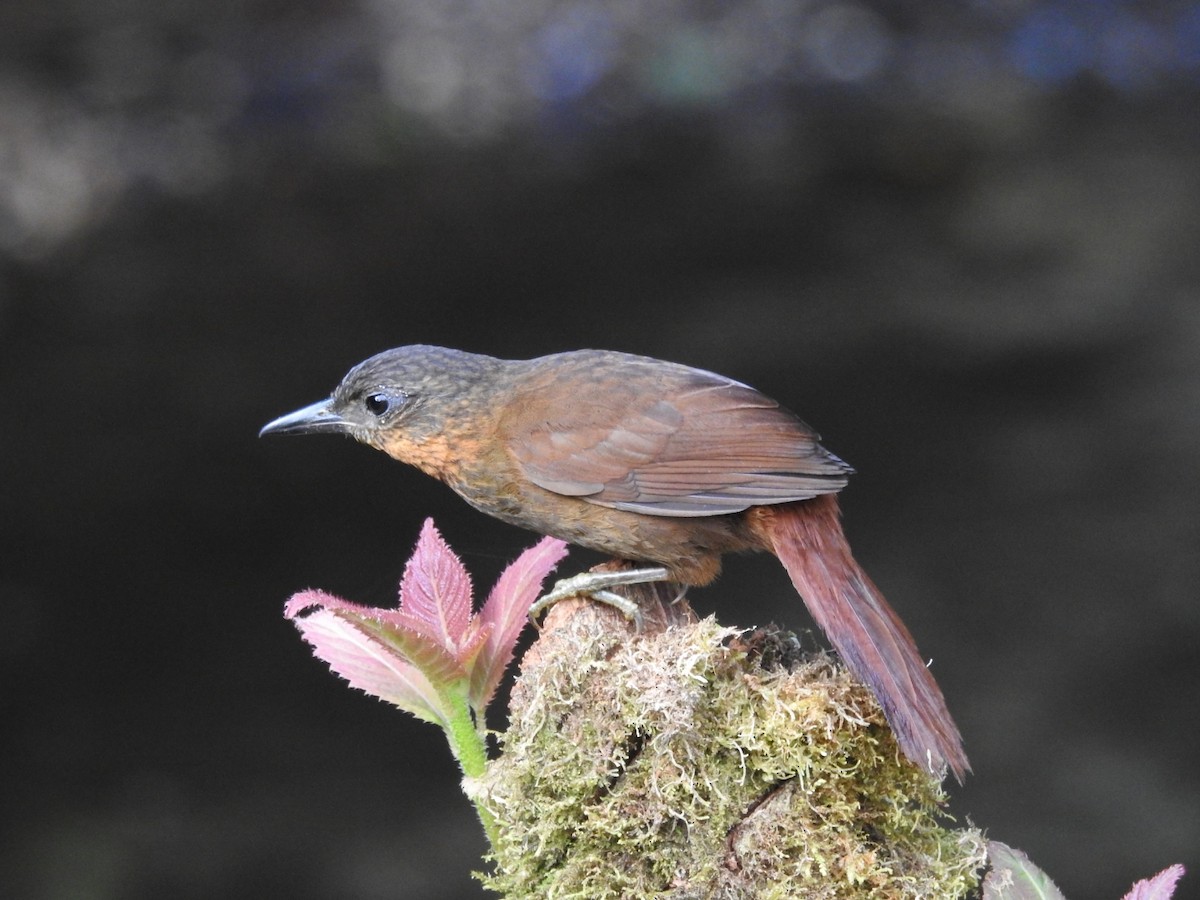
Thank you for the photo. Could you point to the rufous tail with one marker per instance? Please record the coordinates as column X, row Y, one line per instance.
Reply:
column 807, row 537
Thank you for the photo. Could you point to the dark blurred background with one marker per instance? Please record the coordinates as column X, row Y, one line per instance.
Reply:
column 959, row 238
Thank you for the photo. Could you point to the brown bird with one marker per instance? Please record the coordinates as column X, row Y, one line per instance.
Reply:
column 651, row 462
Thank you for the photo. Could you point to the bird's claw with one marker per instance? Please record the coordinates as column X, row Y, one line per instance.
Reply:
column 597, row 586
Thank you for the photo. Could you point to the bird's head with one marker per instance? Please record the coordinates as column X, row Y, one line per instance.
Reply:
column 411, row 389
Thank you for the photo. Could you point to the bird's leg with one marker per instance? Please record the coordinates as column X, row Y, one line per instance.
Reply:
column 596, row 585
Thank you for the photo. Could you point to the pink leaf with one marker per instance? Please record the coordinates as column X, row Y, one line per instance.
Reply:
column 421, row 655
column 507, row 611
column 1159, row 887
column 473, row 647
column 412, row 640
column 437, row 588
column 360, row 658
column 303, row 601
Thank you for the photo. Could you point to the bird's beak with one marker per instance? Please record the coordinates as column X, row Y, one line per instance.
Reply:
column 311, row 420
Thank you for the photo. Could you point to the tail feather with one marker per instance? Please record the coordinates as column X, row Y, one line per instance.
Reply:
column 866, row 632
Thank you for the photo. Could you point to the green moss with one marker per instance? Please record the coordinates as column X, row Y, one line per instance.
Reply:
column 673, row 765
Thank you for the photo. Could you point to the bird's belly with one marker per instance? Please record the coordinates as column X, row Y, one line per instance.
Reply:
column 690, row 548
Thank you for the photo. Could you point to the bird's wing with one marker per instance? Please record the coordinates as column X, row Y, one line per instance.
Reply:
column 689, row 443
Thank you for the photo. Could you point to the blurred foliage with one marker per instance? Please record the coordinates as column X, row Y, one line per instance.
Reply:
column 101, row 99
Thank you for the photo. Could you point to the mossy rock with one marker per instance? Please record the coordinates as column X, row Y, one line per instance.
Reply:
column 694, row 761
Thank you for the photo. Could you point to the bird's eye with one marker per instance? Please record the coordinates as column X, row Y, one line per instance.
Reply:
column 379, row 403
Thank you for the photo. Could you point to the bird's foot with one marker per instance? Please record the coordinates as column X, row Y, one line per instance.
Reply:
column 597, row 586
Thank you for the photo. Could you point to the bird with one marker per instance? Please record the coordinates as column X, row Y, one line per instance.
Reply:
column 655, row 463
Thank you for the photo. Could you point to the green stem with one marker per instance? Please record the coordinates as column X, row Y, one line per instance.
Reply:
column 470, row 750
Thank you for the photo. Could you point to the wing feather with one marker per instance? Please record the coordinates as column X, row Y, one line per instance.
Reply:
column 700, row 445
